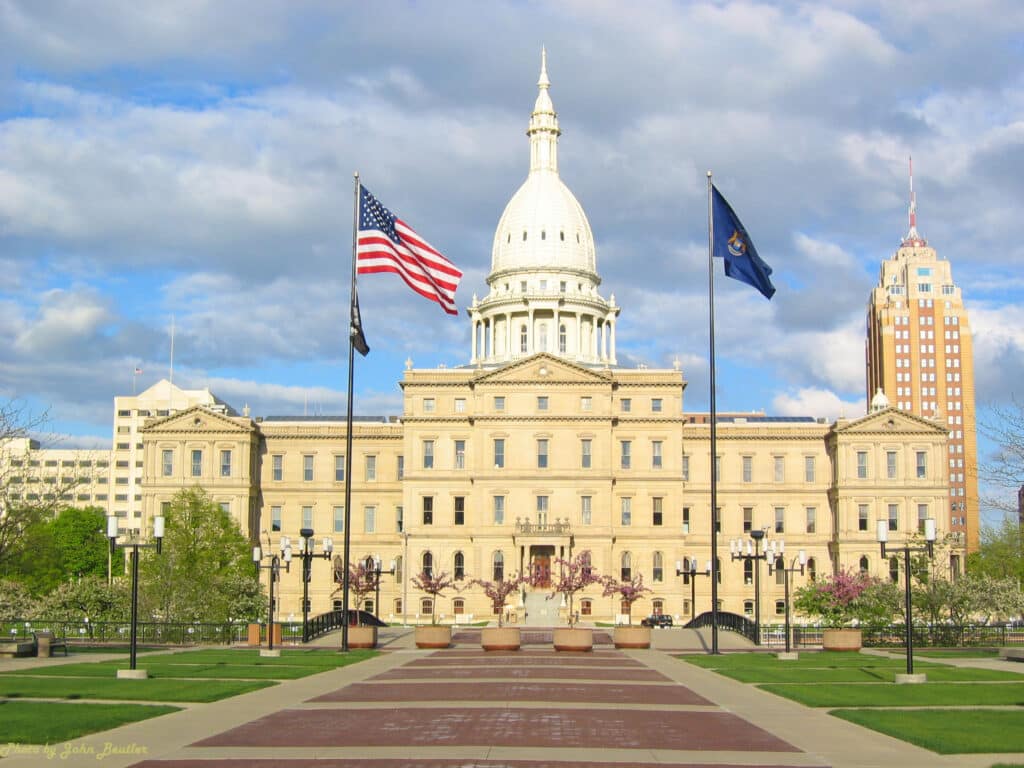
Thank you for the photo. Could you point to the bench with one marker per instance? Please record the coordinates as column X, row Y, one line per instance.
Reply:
column 47, row 643
column 1012, row 654
column 15, row 648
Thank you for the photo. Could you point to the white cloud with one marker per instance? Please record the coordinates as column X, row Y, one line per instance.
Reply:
column 819, row 403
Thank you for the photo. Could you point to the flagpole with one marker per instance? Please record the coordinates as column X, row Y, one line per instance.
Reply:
column 348, row 422
column 714, row 418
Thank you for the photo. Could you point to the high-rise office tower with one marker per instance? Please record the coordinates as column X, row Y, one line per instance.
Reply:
column 919, row 354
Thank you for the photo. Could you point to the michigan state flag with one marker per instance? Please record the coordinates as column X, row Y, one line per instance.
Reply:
column 732, row 243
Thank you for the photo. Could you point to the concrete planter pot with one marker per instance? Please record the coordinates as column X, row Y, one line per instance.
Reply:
column 632, row 637
column 362, row 637
column 500, row 638
column 574, row 639
column 841, row 639
column 433, row 636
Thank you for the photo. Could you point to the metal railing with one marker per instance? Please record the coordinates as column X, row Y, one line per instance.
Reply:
column 730, row 621
column 558, row 527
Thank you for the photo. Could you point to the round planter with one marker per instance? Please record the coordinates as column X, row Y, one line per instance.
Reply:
column 433, row 636
column 632, row 637
column 362, row 637
column 500, row 638
column 841, row 639
column 573, row 639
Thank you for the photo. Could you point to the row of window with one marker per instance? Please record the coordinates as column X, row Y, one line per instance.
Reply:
column 195, row 465
column 893, row 516
column 892, row 464
column 544, row 403
column 53, row 463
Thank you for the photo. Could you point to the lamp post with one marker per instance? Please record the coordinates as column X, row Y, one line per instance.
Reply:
column 306, row 552
column 687, row 568
column 135, row 545
column 929, row 547
column 274, row 566
column 801, row 558
column 375, row 566
column 754, row 554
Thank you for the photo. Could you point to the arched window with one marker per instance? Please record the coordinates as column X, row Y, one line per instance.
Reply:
column 498, row 569
column 812, row 569
column 780, row 570
column 748, row 607
column 459, row 606
column 523, row 339
column 585, row 564
column 428, row 565
column 336, row 605
column 780, row 607
column 368, row 606
column 658, row 570
column 426, row 606
column 627, row 567
column 657, row 607
column 894, row 569
column 864, row 565
column 459, row 566
column 561, row 338
column 748, row 572
column 586, row 607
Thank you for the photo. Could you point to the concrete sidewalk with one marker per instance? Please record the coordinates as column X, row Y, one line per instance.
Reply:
column 462, row 707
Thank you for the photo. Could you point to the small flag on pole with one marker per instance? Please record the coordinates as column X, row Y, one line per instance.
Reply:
column 138, row 371
column 733, row 244
column 356, row 329
column 387, row 244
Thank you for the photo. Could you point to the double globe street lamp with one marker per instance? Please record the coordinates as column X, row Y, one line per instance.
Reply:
column 797, row 565
column 687, row 568
column 134, row 544
column 274, row 566
column 306, row 553
column 929, row 548
column 754, row 554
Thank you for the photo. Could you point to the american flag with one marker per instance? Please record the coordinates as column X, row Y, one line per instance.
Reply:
column 387, row 244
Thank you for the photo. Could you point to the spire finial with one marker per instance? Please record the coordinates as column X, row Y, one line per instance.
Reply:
column 543, row 82
column 913, row 237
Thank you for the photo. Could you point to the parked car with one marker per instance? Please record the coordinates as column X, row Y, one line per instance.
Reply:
column 657, row 620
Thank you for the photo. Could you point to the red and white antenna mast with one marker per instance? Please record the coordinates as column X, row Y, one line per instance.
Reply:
column 913, row 238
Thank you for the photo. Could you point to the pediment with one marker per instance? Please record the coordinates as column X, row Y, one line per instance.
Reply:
column 543, row 368
column 890, row 420
column 199, row 419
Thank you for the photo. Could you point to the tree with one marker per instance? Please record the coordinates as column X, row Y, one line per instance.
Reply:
column 362, row 582
column 1001, row 552
column 628, row 591
column 16, row 602
column 205, row 572
column 573, row 576
column 80, row 537
column 434, row 586
column 1004, row 426
column 90, row 598
column 498, row 592
column 847, row 597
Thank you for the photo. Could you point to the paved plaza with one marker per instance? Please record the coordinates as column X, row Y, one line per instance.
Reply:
column 462, row 707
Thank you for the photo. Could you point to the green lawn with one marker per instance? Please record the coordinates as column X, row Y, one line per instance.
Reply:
column 39, row 722
column 945, row 731
column 958, row 653
column 23, row 686
column 887, row 695
column 887, row 674
column 813, row 659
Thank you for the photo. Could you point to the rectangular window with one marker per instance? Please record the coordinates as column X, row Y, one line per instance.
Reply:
column 656, row 404
column 748, row 469
column 277, row 467
column 862, row 517
column 429, row 405
column 339, row 469
column 657, row 508
column 808, row 469
column 225, row 463
column 460, row 454
column 307, row 517
column 542, row 402
column 626, row 447
column 686, row 519
column 586, row 457
column 627, row 510
column 428, row 510
column 718, row 519
column 167, row 463
column 369, row 519
column 401, row 467
column 586, row 403
column 585, row 509
column 371, row 467
column 627, row 405
column 811, row 519
column 460, row 510
column 748, row 519
column 339, row 519
column 460, row 405
column 922, row 465
column 656, row 454
column 922, row 515
column 780, row 468
column 542, row 453
column 275, row 518
column 686, row 467
column 499, row 402
column 542, row 510
column 499, row 452
column 894, row 517
column 307, row 468
column 197, row 463
column 717, row 468
column 428, row 454
column 499, row 510
column 862, row 465
column 780, row 519
column 400, row 518
column 890, row 464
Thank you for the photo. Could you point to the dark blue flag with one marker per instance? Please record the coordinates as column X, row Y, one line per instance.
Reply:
column 732, row 243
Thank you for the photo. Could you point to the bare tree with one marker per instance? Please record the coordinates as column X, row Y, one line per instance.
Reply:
column 1004, row 426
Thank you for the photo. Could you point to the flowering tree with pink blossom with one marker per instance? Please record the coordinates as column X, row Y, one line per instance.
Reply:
column 498, row 592
column 362, row 582
column 628, row 592
column 433, row 586
column 573, row 576
column 848, row 597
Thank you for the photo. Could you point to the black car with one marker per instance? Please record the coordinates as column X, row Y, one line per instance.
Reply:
column 657, row 620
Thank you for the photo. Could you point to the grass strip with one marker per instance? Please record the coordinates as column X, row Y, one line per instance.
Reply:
column 812, row 660
column 948, row 732
column 958, row 653
column 889, row 695
column 325, row 658
column 22, row 686
column 41, row 722
column 777, row 674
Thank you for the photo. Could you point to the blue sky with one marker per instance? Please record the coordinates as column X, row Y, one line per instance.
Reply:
column 195, row 160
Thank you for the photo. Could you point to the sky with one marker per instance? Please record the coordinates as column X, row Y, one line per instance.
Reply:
column 192, row 162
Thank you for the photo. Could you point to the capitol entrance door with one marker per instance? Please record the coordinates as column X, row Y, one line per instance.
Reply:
column 540, row 565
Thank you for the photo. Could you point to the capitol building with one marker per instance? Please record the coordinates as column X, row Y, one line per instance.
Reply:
column 541, row 447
